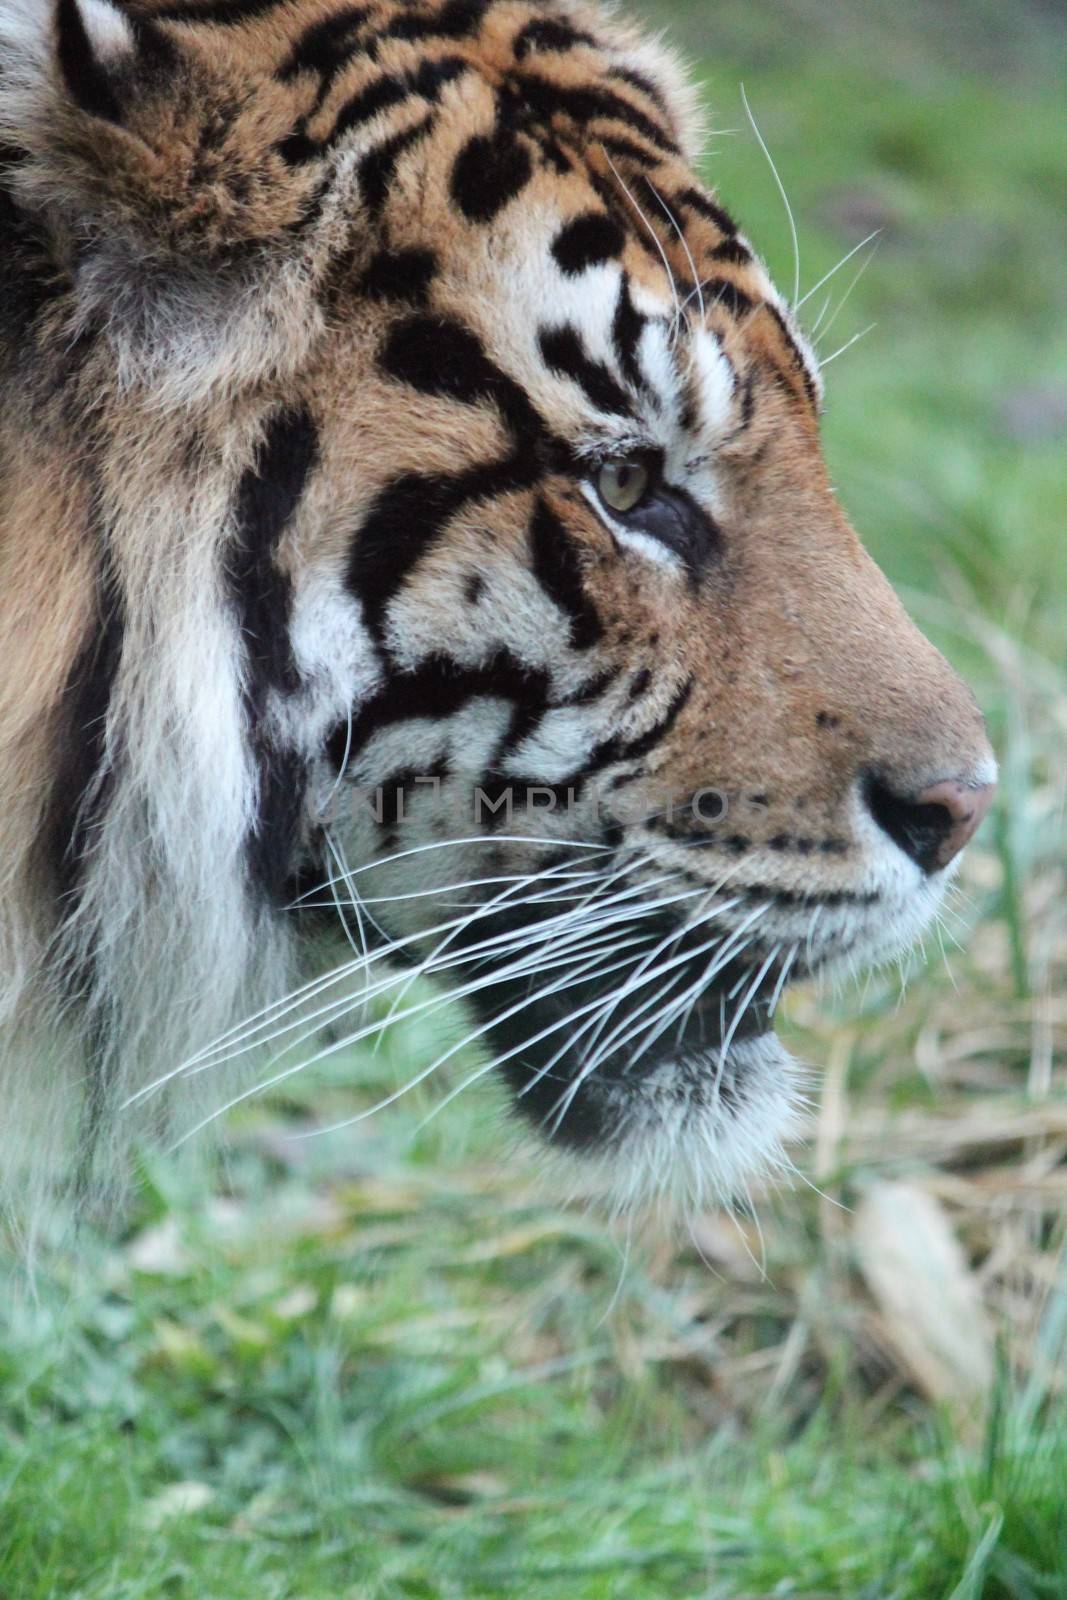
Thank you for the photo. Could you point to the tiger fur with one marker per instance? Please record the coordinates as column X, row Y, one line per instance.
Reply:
column 326, row 329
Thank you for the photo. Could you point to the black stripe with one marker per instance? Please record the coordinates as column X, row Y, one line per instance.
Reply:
column 312, row 206
column 227, row 13
column 29, row 280
column 89, row 82
column 564, row 353
column 271, row 846
column 404, row 275
column 93, row 85
column 702, row 203
column 721, row 292
column 594, row 688
column 627, row 326
column 490, row 171
column 437, row 689
column 549, row 33
column 84, row 777
column 589, row 104
column 298, row 147
column 456, row 19
column 267, row 497
column 552, row 152
column 327, row 47
column 626, row 150
column 690, row 395
column 798, row 359
column 587, row 241
column 439, row 356
column 323, row 47
column 748, row 396
column 640, row 235
column 377, row 167
column 643, row 85
column 804, row 898
column 409, row 516
column 616, row 749
column 730, row 250
column 426, row 81
column 557, row 569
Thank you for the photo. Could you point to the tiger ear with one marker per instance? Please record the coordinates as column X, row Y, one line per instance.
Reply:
column 150, row 165
column 124, row 127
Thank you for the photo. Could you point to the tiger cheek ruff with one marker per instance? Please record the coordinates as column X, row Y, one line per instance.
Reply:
column 416, row 547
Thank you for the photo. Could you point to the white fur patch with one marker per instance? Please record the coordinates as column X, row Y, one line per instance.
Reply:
column 108, row 30
column 716, row 381
column 680, row 1146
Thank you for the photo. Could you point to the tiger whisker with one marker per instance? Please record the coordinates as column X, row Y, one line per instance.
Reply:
column 436, row 889
column 666, row 943
column 783, row 975
column 812, row 925
column 362, row 952
column 654, row 236
column 723, row 951
column 688, row 999
column 594, row 1006
column 747, row 999
column 434, row 1001
column 494, row 904
column 610, row 1004
column 280, row 1007
column 617, row 1042
column 324, row 809
column 845, row 259
column 574, row 976
column 781, row 190
column 821, row 333
column 458, row 844
column 498, row 1060
column 683, row 241
column 556, row 932
column 559, row 922
column 358, row 901
column 856, row 337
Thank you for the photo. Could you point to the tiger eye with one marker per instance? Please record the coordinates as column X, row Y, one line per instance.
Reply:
column 622, row 483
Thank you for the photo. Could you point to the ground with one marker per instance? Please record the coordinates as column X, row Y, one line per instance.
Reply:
column 382, row 1365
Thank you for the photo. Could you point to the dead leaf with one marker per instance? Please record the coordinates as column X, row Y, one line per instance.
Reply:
column 928, row 1298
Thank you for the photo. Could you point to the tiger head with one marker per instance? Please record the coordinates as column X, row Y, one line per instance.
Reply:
column 416, row 543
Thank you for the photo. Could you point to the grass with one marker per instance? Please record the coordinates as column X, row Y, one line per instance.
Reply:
column 384, row 1365
column 406, row 1385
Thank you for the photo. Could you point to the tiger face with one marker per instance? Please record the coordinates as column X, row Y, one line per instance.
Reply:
column 421, row 540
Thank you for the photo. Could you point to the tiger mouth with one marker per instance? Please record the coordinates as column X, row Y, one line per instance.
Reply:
column 580, row 1057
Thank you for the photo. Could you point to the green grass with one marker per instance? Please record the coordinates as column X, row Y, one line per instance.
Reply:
column 416, row 1392
column 381, row 1364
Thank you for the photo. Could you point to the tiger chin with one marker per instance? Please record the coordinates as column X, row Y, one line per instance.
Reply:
column 416, row 547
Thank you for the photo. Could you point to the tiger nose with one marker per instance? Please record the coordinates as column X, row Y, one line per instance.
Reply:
column 933, row 826
column 965, row 809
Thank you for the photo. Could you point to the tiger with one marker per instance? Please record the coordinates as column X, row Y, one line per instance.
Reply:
column 418, row 562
